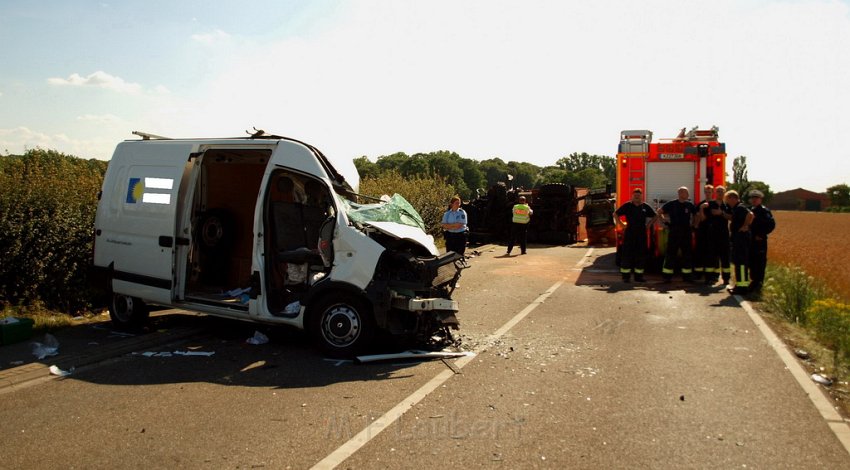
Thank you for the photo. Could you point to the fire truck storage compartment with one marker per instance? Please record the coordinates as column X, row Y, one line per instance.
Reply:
column 663, row 180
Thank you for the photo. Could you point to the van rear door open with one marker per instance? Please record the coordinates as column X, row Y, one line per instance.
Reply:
column 135, row 236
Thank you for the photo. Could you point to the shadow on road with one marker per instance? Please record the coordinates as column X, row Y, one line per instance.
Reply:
column 98, row 354
column 604, row 275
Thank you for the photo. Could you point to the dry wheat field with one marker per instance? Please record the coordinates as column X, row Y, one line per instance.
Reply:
column 817, row 242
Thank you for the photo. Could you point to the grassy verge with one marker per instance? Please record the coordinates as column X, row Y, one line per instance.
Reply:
column 811, row 318
column 45, row 320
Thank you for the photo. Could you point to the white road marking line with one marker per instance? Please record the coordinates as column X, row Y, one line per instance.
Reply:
column 375, row 427
column 824, row 405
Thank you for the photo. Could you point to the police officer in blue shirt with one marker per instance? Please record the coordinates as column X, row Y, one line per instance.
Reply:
column 454, row 226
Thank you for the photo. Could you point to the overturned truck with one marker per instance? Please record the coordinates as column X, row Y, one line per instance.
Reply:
column 555, row 220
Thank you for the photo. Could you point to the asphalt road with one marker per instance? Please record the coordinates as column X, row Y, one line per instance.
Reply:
column 593, row 374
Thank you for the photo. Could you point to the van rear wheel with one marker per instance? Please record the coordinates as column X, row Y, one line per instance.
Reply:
column 342, row 326
column 128, row 313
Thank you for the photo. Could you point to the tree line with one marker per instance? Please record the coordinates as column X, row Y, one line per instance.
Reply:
column 467, row 175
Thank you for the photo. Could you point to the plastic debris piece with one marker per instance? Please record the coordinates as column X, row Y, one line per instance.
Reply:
column 801, row 354
column 120, row 334
column 16, row 363
column 9, row 321
column 50, row 347
column 821, row 379
column 413, row 354
column 293, row 308
column 237, row 292
column 55, row 370
column 258, row 338
column 194, row 353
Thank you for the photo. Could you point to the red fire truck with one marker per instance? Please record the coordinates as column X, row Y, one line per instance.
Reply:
column 692, row 159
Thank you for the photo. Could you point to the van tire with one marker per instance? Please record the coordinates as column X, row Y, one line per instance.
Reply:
column 215, row 230
column 128, row 313
column 342, row 325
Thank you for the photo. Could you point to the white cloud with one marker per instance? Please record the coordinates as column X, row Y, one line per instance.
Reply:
column 161, row 90
column 534, row 84
column 98, row 79
column 216, row 36
column 99, row 118
column 17, row 140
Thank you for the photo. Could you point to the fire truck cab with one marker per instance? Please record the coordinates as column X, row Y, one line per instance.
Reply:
column 692, row 159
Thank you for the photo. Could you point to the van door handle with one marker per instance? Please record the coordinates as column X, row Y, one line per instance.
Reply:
column 166, row 241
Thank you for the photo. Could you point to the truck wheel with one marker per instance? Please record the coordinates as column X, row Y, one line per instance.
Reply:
column 343, row 326
column 128, row 313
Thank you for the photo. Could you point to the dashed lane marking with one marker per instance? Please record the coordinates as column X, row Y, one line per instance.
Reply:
column 373, row 429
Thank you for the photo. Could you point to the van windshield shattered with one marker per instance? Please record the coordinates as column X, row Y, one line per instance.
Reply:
column 396, row 209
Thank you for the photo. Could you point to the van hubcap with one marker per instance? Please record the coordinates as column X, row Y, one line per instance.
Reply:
column 341, row 325
column 123, row 306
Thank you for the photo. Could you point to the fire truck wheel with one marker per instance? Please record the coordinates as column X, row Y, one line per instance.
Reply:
column 342, row 325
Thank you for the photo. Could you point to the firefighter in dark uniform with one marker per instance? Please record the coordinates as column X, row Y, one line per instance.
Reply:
column 679, row 215
column 705, row 262
column 635, row 248
column 740, row 228
column 720, row 233
column 763, row 224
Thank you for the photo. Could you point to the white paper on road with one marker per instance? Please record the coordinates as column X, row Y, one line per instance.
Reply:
column 55, row 370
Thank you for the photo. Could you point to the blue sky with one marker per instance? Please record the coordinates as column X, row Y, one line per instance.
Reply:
column 526, row 81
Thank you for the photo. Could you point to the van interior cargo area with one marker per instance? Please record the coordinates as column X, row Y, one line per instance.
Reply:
column 222, row 222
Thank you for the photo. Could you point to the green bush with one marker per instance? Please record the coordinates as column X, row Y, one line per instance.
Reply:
column 830, row 319
column 47, row 205
column 429, row 196
column 790, row 292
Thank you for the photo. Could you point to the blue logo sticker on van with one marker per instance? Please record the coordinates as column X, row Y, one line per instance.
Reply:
column 134, row 190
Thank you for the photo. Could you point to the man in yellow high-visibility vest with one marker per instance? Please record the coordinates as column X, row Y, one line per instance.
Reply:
column 519, row 227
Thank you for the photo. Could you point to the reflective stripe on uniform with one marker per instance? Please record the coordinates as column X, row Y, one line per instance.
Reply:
column 742, row 276
column 522, row 214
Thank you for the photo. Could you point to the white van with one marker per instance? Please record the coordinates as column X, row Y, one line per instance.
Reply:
column 266, row 229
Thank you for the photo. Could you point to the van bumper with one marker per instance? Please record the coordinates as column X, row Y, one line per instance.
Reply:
column 425, row 305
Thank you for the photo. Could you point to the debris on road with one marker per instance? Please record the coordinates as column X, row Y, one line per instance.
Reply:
column 258, row 338
column 194, row 353
column 175, row 353
column 802, row 354
column 822, row 379
column 412, row 354
column 50, row 347
column 55, row 370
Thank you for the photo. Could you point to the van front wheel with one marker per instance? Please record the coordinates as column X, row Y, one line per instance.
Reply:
column 343, row 326
column 128, row 313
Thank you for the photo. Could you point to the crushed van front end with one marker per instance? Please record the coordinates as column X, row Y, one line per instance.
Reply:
column 412, row 294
